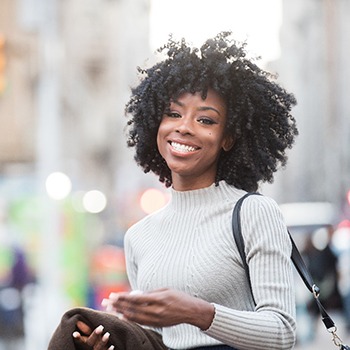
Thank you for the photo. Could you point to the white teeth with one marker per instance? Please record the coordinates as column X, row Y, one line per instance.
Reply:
column 182, row 148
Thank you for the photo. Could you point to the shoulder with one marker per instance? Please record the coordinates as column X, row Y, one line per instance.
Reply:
column 263, row 225
column 260, row 210
column 255, row 203
column 145, row 224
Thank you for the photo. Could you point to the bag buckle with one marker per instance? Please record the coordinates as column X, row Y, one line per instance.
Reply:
column 315, row 291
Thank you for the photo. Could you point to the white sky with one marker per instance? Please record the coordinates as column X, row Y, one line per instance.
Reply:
column 257, row 21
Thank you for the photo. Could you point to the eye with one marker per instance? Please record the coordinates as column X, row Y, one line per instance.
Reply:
column 206, row 121
column 172, row 114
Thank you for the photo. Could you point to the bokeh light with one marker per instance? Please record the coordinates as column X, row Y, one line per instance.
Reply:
column 152, row 200
column 58, row 185
column 94, row 201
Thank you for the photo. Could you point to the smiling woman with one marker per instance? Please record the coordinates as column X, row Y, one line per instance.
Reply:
column 211, row 125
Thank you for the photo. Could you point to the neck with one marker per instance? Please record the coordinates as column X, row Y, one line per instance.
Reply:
column 190, row 183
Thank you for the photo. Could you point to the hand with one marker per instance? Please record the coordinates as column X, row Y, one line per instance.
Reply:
column 161, row 308
column 92, row 339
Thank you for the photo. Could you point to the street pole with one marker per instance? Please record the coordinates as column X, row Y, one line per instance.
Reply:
column 50, row 300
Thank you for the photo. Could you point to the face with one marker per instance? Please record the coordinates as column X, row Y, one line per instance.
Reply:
column 190, row 138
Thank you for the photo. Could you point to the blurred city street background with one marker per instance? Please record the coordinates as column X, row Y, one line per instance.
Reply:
column 69, row 188
column 322, row 339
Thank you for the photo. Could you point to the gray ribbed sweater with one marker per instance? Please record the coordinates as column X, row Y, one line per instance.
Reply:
column 188, row 245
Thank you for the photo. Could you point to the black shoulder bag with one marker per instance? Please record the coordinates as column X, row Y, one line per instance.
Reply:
column 299, row 265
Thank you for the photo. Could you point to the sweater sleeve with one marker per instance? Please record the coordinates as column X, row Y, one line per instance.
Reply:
column 268, row 251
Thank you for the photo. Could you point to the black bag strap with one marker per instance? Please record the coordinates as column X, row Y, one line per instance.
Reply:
column 297, row 261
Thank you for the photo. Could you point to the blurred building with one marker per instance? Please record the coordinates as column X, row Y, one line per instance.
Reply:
column 314, row 65
column 65, row 73
column 18, row 71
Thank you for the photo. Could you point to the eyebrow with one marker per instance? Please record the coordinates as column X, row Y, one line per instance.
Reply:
column 203, row 108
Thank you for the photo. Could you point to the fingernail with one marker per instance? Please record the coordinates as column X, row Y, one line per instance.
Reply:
column 104, row 302
column 109, row 308
column 111, row 347
column 99, row 329
column 105, row 336
column 113, row 295
column 76, row 335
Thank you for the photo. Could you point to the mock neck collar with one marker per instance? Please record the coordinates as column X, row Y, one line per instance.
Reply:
column 206, row 196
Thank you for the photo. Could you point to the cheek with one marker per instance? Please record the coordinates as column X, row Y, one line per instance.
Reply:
column 214, row 139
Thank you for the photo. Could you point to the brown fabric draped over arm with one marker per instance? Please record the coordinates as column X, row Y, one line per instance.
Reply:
column 124, row 335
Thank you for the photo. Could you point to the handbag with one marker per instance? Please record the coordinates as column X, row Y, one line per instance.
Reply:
column 299, row 265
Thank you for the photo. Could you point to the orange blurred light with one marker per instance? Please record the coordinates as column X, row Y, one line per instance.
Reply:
column 344, row 224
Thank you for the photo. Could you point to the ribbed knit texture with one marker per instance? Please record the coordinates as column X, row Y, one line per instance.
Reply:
column 188, row 245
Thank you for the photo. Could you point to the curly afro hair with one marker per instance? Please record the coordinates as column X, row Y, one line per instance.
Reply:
column 258, row 109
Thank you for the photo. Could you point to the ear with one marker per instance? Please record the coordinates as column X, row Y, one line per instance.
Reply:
column 228, row 143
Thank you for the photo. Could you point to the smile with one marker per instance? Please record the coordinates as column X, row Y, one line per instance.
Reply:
column 182, row 148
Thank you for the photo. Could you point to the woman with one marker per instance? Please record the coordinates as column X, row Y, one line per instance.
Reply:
column 212, row 125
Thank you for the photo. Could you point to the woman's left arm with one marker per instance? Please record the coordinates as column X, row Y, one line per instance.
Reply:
column 161, row 308
column 268, row 252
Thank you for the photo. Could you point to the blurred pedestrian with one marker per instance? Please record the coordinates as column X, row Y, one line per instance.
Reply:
column 211, row 125
column 12, row 326
column 342, row 241
column 322, row 263
column 344, row 285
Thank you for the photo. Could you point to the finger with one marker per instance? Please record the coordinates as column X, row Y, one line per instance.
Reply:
column 84, row 328
column 136, row 292
column 95, row 336
column 104, row 341
column 77, row 336
column 138, row 313
column 99, row 343
column 105, row 302
column 108, row 305
column 115, row 296
column 105, row 337
column 133, row 309
column 135, row 299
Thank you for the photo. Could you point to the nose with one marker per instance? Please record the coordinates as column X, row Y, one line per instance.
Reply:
column 185, row 125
